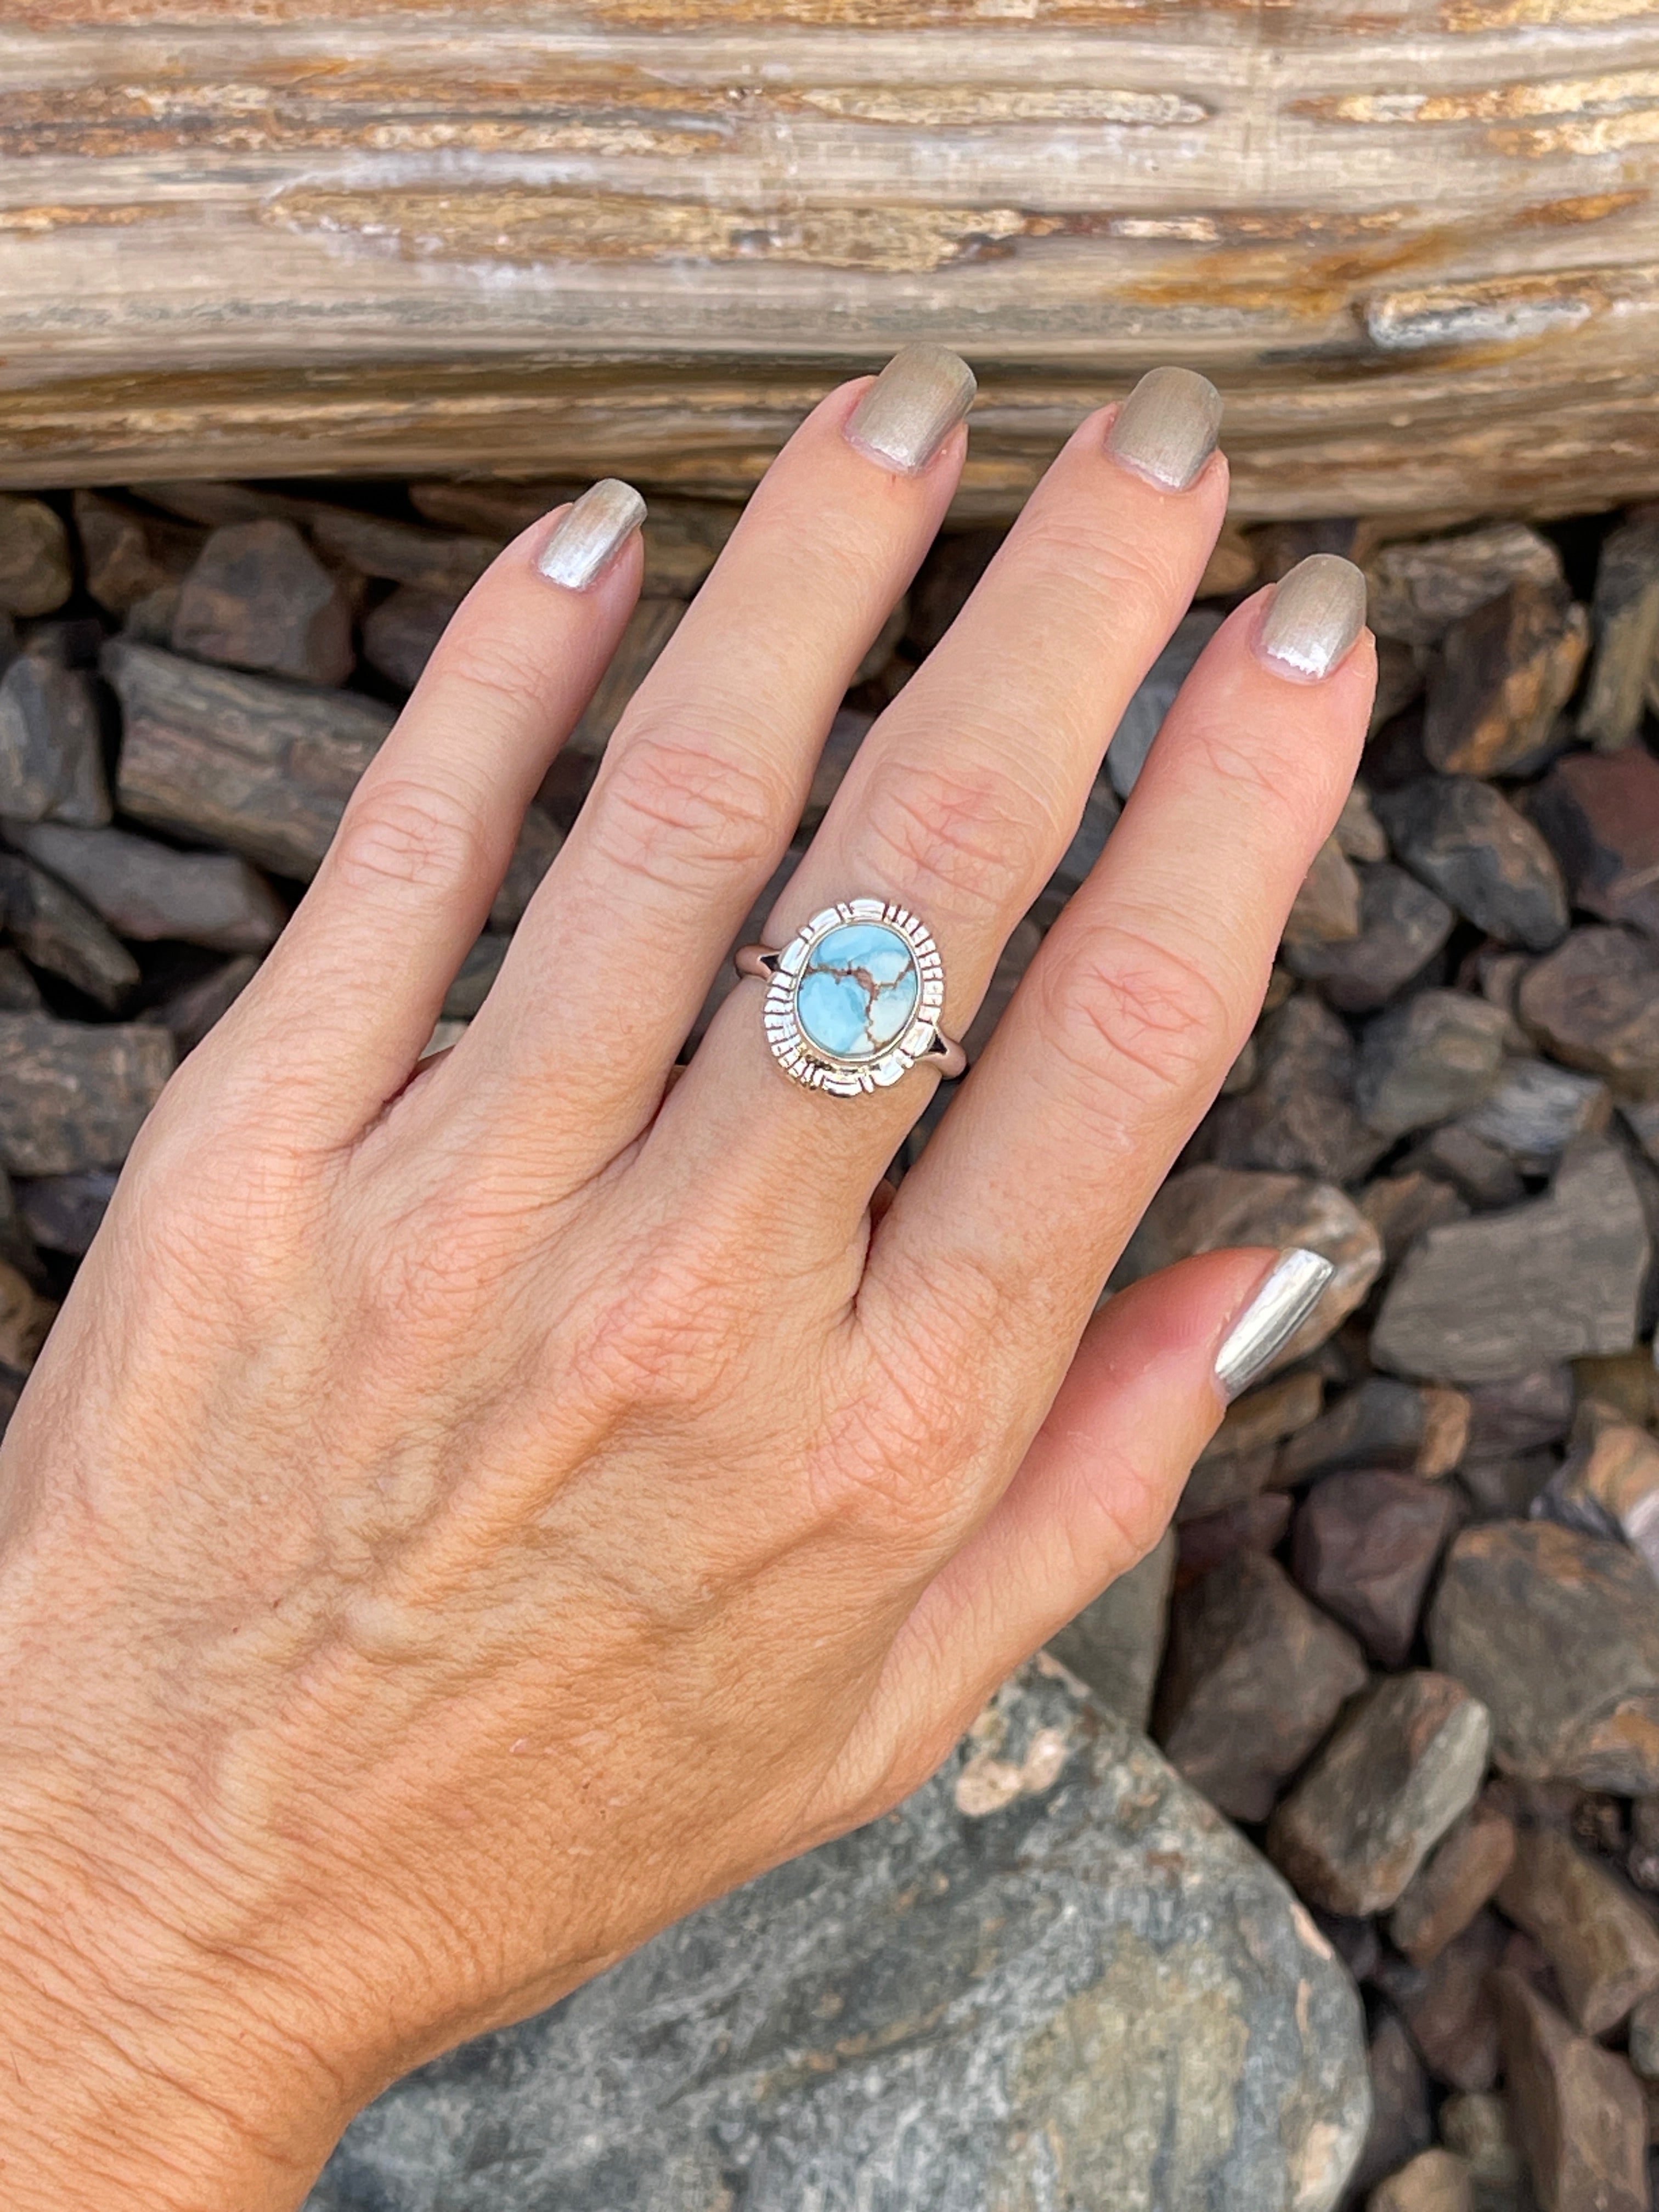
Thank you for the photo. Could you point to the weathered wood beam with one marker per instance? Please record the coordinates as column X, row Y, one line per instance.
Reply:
column 1416, row 245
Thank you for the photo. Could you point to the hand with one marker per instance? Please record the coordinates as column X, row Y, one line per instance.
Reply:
column 468, row 1513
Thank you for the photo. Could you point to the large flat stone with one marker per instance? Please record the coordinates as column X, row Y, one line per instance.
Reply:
column 1095, row 1995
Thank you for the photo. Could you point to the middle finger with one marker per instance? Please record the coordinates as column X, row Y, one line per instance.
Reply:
column 965, row 795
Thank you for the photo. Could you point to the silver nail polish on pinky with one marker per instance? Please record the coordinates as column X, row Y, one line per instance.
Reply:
column 592, row 534
column 1313, row 619
column 1272, row 1318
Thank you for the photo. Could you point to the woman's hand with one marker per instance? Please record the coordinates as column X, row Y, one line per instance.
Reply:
column 468, row 1515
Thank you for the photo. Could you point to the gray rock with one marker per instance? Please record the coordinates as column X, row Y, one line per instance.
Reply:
column 1402, row 925
column 1116, row 1645
column 402, row 552
column 63, row 1212
column 36, row 573
column 1382, row 1422
column 1402, row 2121
column 1142, row 717
column 1053, row 1978
column 399, row 635
column 539, row 841
column 1436, row 1055
column 190, row 1012
column 1578, row 2110
column 1203, row 1209
column 1365, row 1545
column 52, row 929
column 261, row 767
column 258, row 597
column 52, row 762
column 1481, row 1175
column 1405, row 1763
column 477, row 973
column 1559, row 1634
column 1553, row 1279
column 1465, row 841
column 1326, row 909
column 1536, row 1109
column 131, row 554
column 72, row 1096
column 149, row 891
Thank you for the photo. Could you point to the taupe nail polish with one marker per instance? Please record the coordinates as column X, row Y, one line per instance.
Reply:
column 1167, row 427
column 592, row 534
column 912, row 407
column 1272, row 1318
column 1314, row 618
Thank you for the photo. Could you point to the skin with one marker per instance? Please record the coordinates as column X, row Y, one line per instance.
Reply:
column 465, row 1518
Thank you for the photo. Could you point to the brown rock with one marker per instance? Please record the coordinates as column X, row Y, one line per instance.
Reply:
column 1626, row 616
column 238, row 760
column 73, row 1097
column 1475, row 2123
column 1403, row 1765
column 1448, row 2007
column 258, row 597
column 54, row 931
column 1382, row 1422
column 1504, row 674
column 149, row 891
column 1559, row 1633
column 1403, row 1207
column 1401, row 2121
column 1326, row 909
column 19, row 992
column 399, row 635
column 36, row 573
column 52, row 759
column 477, row 973
column 1365, row 1547
column 1254, row 1679
column 1603, row 1947
column 1402, row 925
column 1357, row 831
column 1577, row 2109
column 1593, row 1003
column 191, row 1010
column 1279, row 1408
column 402, row 552
column 129, row 553
column 1231, row 568
column 1556, row 1278
column 1115, row 1644
column 1460, row 1875
column 648, row 630
column 1399, row 677
column 1600, row 813
column 1418, row 590
column 1609, row 1486
column 1643, row 2038
column 1467, row 843
column 1435, row 2181
column 1626, row 1382
column 1482, row 1175
column 25, row 1317
column 1643, row 1864
column 1439, row 1053
column 1298, row 1116
column 1257, row 1524
column 1215, row 1486
column 1520, row 1412
column 1204, row 1209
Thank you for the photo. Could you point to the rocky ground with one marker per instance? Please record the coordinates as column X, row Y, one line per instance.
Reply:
column 1404, row 1634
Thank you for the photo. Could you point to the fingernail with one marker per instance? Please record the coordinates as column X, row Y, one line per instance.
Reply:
column 912, row 407
column 1315, row 617
column 1167, row 427
column 592, row 534
column 1272, row 1318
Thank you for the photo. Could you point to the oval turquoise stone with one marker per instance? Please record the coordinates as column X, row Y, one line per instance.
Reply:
column 858, row 991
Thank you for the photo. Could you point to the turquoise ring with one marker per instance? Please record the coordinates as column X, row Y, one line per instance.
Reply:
column 854, row 1000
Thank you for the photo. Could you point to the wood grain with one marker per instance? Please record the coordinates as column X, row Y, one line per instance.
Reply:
column 1416, row 242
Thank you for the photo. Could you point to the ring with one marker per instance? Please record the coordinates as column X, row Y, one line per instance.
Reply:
column 852, row 1000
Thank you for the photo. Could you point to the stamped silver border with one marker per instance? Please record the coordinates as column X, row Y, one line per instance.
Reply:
column 808, row 1063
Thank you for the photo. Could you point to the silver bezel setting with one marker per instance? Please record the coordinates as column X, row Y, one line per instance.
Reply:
column 807, row 1062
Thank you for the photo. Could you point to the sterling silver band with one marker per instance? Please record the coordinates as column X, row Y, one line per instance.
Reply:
column 852, row 1000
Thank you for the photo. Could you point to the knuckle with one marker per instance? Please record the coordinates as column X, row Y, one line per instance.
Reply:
column 683, row 813
column 671, row 1342
column 490, row 674
column 1132, row 1017
column 967, row 842
column 399, row 836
